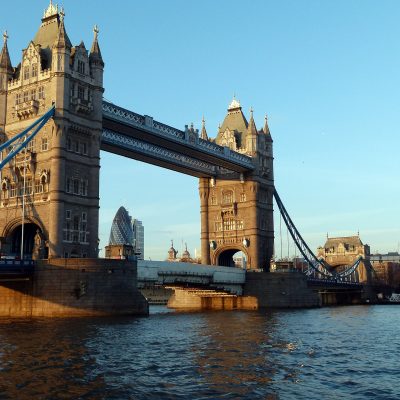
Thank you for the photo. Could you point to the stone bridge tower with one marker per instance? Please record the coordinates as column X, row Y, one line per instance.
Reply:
column 61, row 165
column 237, row 209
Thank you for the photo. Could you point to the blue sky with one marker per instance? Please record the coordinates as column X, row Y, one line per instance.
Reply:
column 326, row 73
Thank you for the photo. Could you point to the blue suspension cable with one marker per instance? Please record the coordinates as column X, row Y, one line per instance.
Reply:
column 40, row 122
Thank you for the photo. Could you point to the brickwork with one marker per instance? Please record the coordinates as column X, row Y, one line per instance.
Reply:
column 280, row 290
column 74, row 287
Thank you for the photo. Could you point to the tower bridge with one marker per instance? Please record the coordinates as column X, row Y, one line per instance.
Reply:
column 61, row 179
column 49, row 201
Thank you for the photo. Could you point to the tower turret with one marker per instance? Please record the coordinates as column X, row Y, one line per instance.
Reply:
column 203, row 133
column 95, row 59
column 6, row 73
column 251, row 137
column 266, row 127
column 5, row 62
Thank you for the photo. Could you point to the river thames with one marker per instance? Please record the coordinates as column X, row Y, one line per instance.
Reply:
column 327, row 353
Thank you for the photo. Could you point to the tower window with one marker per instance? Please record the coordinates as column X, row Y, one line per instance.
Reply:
column 41, row 92
column 38, row 186
column 67, row 214
column 76, row 223
column 26, row 72
column 76, row 186
column 18, row 99
column 26, row 97
column 68, row 187
column 13, row 190
column 31, row 145
column 81, row 92
column 84, row 148
column 227, row 197
column 34, row 70
column 242, row 196
column 84, row 217
column 45, row 144
column 84, row 185
column 28, row 186
column 229, row 224
column 33, row 94
column 81, row 67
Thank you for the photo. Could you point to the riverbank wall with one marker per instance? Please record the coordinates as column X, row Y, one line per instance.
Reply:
column 74, row 288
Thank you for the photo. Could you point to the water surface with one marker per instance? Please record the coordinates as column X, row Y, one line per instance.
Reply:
column 328, row 353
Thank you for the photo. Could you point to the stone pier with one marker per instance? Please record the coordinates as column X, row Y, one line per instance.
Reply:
column 72, row 288
column 280, row 290
column 207, row 299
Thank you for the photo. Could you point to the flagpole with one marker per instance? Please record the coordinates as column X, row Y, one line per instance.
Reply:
column 23, row 208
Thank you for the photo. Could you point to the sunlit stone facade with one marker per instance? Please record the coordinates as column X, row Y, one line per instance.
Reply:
column 236, row 209
column 61, row 165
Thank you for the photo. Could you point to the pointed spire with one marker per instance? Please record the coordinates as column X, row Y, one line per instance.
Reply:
column 5, row 61
column 95, row 53
column 266, row 127
column 62, row 41
column 252, row 126
column 203, row 133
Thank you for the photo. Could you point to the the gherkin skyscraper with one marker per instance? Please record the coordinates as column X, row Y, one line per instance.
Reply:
column 121, row 228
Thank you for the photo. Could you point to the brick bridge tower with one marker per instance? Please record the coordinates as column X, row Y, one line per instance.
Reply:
column 237, row 209
column 61, row 165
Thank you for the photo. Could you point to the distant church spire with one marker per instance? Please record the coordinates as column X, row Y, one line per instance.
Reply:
column 203, row 133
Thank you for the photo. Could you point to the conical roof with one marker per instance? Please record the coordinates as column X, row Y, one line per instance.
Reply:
column 62, row 40
column 266, row 131
column 48, row 32
column 252, row 130
column 236, row 122
column 95, row 53
column 5, row 61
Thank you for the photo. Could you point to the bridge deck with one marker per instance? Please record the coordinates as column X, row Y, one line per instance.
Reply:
column 142, row 138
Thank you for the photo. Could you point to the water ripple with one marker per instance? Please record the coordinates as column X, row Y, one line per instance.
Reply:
column 330, row 353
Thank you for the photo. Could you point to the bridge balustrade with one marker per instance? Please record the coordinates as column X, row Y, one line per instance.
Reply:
column 146, row 123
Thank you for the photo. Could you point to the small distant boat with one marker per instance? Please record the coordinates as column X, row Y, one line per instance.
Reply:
column 394, row 298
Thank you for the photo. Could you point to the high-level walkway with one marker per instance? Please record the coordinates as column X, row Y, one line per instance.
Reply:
column 142, row 138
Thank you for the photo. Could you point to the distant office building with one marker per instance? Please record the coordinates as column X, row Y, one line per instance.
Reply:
column 138, row 238
column 121, row 228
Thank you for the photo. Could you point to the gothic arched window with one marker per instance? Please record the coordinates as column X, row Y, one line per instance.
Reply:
column 227, row 197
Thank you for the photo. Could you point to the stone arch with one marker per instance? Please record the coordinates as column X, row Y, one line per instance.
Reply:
column 14, row 223
column 34, row 243
column 224, row 255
